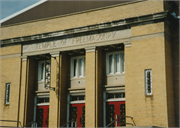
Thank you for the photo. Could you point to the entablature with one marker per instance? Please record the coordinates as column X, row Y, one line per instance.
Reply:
column 84, row 30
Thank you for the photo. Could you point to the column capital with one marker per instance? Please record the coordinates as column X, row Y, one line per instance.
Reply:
column 24, row 58
column 127, row 44
column 55, row 54
column 91, row 49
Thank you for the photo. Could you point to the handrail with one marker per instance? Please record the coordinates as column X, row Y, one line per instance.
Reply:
column 29, row 123
column 11, row 121
column 120, row 122
column 67, row 123
column 111, row 123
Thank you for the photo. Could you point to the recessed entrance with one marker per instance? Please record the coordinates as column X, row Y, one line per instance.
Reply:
column 77, row 113
column 42, row 116
column 115, row 110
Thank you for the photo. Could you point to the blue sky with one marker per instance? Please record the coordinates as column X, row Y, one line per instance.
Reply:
column 9, row 7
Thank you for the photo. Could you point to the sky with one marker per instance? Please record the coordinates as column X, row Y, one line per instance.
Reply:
column 9, row 7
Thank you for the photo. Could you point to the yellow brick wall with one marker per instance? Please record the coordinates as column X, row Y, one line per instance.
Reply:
column 10, row 50
column 83, row 19
column 10, row 69
column 146, row 54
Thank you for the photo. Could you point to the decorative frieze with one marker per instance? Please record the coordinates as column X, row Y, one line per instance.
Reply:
column 81, row 40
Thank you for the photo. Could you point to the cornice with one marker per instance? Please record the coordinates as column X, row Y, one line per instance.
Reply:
column 102, row 26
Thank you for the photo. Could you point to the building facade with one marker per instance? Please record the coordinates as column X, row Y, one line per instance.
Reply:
column 91, row 64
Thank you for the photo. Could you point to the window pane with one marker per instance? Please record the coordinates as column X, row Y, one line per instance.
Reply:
column 80, row 67
column 42, row 71
column 117, row 63
column 7, row 95
column 110, row 63
column 122, row 62
column 75, row 67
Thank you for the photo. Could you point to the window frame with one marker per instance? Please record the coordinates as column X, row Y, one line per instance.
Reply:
column 114, row 63
column 146, row 83
column 77, row 67
column 44, row 70
column 6, row 102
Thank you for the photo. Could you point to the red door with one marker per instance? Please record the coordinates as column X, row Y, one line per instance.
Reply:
column 115, row 110
column 77, row 112
column 42, row 116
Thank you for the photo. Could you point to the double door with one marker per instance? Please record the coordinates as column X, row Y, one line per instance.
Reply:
column 115, row 110
column 77, row 114
column 42, row 116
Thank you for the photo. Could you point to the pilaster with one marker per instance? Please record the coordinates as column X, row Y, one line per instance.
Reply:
column 24, row 70
column 53, row 104
column 90, row 109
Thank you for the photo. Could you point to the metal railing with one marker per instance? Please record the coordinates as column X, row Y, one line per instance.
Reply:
column 116, row 120
column 32, row 124
column 72, row 122
column 11, row 121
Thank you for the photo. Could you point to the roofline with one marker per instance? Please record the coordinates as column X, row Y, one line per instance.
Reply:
column 22, row 11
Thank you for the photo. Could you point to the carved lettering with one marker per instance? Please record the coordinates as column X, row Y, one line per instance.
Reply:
column 75, row 41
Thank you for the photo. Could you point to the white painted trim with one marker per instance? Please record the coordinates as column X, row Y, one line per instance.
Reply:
column 91, row 49
column 42, row 104
column 127, row 44
column 77, row 102
column 24, row 58
column 22, row 11
column 115, row 99
column 55, row 54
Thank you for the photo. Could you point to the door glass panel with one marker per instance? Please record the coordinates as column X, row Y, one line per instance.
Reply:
column 40, row 112
column 80, row 67
column 123, row 114
column 110, row 63
column 42, row 71
column 83, row 116
column 73, row 116
column 117, row 63
column 122, row 62
column 110, row 115
column 75, row 67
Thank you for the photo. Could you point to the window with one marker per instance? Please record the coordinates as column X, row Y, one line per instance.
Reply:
column 44, row 71
column 77, row 67
column 115, row 63
column 7, row 93
column 148, row 82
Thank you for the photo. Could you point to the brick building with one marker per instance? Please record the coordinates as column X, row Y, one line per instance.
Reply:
column 91, row 63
